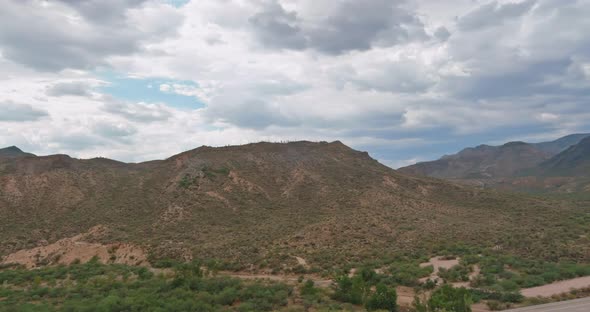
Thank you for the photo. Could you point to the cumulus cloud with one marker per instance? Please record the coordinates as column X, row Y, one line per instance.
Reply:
column 494, row 14
column 342, row 26
column 139, row 112
column 370, row 73
column 10, row 111
column 74, row 88
column 114, row 130
column 103, row 11
column 278, row 28
column 40, row 33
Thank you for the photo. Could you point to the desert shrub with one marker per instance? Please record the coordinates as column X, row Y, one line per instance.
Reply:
column 350, row 290
column 445, row 299
column 513, row 297
column 384, row 298
column 407, row 273
column 494, row 305
column 458, row 273
column 308, row 289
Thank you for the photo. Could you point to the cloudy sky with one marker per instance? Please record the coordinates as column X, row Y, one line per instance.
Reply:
column 405, row 80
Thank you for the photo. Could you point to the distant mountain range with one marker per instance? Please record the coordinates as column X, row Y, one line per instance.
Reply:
column 574, row 161
column 560, row 165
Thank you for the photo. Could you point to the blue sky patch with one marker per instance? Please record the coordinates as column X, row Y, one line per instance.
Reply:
column 149, row 90
column 177, row 3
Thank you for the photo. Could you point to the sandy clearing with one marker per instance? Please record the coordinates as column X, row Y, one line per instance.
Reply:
column 437, row 263
column 557, row 287
column 68, row 250
column 302, row 262
column 405, row 295
column 472, row 276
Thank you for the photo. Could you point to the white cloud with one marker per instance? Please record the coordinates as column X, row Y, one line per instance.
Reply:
column 371, row 73
column 10, row 111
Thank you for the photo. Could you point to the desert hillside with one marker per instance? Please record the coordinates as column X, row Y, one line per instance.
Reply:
column 266, row 204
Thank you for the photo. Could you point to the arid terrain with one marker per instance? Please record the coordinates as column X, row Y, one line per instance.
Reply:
column 287, row 212
column 261, row 204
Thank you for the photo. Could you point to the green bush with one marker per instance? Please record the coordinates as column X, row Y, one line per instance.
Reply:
column 350, row 290
column 446, row 299
column 308, row 289
column 384, row 298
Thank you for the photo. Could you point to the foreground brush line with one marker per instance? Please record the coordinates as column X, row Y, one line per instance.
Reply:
column 184, row 287
column 189, row 287
column 203, row 286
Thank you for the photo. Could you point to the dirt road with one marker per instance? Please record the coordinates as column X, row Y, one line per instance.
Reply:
column 578, row 305
column 557, row 287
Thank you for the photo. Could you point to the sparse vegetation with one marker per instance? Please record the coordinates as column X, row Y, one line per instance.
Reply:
column 97, row 287
column 505, row 273
column 445, row 298
column 365, row 288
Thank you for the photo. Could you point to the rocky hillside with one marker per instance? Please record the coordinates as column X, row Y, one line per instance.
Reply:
column 266, row 204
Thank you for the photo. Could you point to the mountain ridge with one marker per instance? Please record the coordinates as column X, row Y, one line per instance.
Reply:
column 544, row 151
column 544, row 166
column 261, row 204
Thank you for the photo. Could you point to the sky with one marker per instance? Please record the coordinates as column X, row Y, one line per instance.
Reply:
column 407, row 81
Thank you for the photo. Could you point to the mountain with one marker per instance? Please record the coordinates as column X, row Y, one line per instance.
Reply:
column 491, row 162
column 574, row 161
column 561, row 144
column 482, row 162
column 13, row 151
column 261, row 204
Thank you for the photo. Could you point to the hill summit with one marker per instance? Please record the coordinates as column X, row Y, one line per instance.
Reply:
column 13, row 151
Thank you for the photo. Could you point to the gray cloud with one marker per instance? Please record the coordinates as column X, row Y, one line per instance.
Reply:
column 352, row 25
column 277, row 28
column 76, row 141
column 10, row 111
column 442, row 33
column 139, row 112
column 541, row 63
column 75, row 88
column 493, row 13
column 104, row 11
column 401, row 76
column 249, row 113
column 108, row 129
column 360, row 25
column 45, row 39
